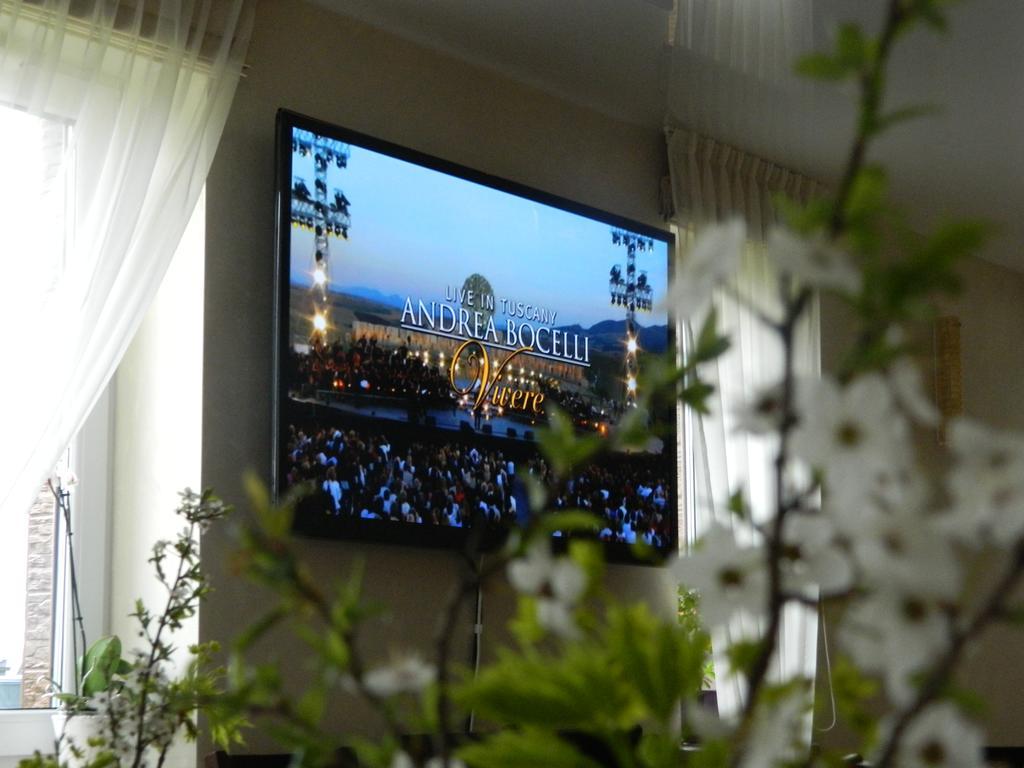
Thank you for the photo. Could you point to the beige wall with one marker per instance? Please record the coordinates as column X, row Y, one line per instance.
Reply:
column 991, row 311
column 157, row 434
column 344, row 72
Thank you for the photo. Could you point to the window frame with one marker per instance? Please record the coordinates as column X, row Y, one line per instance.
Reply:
column 23, row 731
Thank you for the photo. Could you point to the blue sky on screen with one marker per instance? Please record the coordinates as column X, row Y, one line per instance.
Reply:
column 416, row 231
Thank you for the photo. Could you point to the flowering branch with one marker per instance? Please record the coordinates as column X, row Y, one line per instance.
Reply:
column 940, row 673
column 872, row 90
column 773, row 551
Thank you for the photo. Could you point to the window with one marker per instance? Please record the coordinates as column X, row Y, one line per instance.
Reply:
column 169, row 344
column 33, row 213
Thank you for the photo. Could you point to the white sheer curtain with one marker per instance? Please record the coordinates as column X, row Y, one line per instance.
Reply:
column 145, row 88
column 711, row 182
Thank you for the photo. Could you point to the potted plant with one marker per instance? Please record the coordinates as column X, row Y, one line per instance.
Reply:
column 129, row 710
column 99, row 670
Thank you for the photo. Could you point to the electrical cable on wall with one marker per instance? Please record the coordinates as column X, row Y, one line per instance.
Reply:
column 828, row 669
column 478, row 630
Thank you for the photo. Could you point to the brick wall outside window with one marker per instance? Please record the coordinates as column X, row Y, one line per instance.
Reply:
column 37, row 669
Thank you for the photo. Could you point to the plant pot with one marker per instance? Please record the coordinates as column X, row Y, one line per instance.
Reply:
column 709, row 700
column 76, row 730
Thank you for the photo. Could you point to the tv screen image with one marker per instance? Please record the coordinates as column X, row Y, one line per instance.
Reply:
column 429, row 317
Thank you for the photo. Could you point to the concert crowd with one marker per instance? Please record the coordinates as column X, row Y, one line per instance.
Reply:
column 631, row 497
column 366, row 368
column 372, row 477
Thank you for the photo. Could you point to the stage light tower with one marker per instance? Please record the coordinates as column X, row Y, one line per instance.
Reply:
column 327, row 218
column 635, row 294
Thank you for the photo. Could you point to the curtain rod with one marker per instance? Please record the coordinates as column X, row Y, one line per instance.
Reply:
column 77, row 22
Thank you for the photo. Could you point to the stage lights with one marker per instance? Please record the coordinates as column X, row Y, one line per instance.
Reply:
column 632, row 292
column 314, row 210
column 300, row 190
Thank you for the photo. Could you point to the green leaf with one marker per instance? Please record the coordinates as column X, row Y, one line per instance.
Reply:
column 713, row 753
column 855, row 696
column 527, row 748
column 902, row 115
column 536, row 493
column 804, row 218
column 569, row 521
column 971, row 703
column 821, row 66
column 1013, row 616
column 738, row 505
column 743, row 654
column 260, row 627
column 524, row 625
column 276, row 521
column 336, row 652
column 696, row 394
column 930, row 13
column 257, row 491
column 709, row 344
column 632, row 431
column 952, row 241
column 658, row 750
column 854, row 52
column 560, row 445
column 580, row 689
column 588, row 555
column 310, row 706
column 660, row 659
column 99, row 665
column 867, row 195
column 658, row 372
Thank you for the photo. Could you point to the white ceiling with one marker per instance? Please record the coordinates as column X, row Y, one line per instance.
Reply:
column 613, row 56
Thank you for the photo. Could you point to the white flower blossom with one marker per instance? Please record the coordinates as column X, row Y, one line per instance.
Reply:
column 905, row 380
column 557, row 617
column 940, row 738
column 557, row 583
column 853, row 433
column 730, row 579
column 775, row 735
column 812, row 260
column 895, row 635
column 986, row 484
column 530, row 573
column 907, row 553
column 714, row 257
column 409, row 674
column 812, row 560
column 763, row 414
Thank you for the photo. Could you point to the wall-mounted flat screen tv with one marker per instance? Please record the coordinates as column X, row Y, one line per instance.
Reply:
column 429, row 317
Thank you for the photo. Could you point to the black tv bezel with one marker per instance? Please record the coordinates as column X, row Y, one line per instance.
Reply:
column 389, row 532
